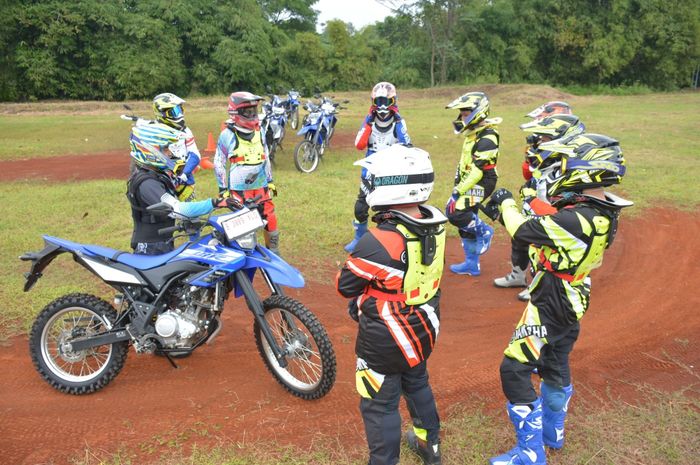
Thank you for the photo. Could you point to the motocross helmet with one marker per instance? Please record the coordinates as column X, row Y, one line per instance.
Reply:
column 551, row 128
column 473, row 109
column 398, row 175
column 384, row 102
column 243, row 110
column 550, row 108
column 151, row 147
column 168, row 110
column 580, row 162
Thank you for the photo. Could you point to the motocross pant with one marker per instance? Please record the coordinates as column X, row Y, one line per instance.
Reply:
column 467, row 208
column 361, row 206
column 380, row 412
column 542, row 342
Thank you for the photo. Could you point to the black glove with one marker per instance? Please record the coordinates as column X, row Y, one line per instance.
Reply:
column 227, row 202
column 353, row 310
column 491, row 210
column 500, row 196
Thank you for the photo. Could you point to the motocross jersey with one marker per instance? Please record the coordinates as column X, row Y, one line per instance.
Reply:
column 477, row 163
column 396, row 290
column 249, row 167
column 374, row 137
column 564, row 248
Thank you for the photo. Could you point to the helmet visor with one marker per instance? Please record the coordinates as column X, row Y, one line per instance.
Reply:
column 174, row 112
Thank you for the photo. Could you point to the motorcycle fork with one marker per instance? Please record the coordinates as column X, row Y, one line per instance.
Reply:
column 256, row 307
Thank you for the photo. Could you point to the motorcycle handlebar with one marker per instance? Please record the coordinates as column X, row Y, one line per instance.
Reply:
column 168, row 231
column 129, row 118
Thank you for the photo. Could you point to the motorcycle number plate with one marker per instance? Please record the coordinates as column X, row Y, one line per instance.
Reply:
column 243, row 224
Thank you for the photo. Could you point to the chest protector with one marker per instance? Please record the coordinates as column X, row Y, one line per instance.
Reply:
column 248, row 152
column 381, row 138
column 568, row 266
column 425, row 260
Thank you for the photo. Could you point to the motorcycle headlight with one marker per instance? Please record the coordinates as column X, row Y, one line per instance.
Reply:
column 248, row 241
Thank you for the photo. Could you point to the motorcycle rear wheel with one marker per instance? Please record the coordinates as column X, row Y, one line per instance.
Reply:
column 310, row 372
column 69, row 318
column 306, row 156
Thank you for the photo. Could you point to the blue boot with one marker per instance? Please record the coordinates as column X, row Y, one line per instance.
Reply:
column 484, row 234
column 528, row 429
column 470, row 265
column 360, row 230
column 554, row 415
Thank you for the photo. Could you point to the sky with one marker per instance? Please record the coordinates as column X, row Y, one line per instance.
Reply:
column 358, row 12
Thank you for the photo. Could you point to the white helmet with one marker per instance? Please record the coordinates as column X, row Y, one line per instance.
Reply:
column 398, row 175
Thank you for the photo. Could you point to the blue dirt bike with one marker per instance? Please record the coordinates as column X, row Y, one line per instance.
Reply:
column 171, row 304
column 292, row 105
column 273, row 120
column 317, row 128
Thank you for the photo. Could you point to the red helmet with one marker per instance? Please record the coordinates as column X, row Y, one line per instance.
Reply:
column 243, row 110
column 550, row 108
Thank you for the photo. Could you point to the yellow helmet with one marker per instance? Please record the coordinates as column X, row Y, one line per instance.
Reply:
column 581, row 162
column 168, row 110
column 473, row 109
column 552, row 127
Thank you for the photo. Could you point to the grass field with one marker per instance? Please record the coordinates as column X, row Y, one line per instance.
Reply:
column 659, row 134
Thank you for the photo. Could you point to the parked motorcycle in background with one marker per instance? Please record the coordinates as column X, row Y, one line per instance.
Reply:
column 292, row 105
column 317, row 128
column 273, row 120
column 172, row 304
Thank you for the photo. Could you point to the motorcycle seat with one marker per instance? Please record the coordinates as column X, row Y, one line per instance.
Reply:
column 138, row 261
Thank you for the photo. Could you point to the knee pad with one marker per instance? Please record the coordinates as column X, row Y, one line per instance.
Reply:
column 553, row 397
column 361, row 211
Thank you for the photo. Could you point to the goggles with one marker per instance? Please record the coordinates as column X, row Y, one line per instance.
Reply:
column 248, row 112
column 384, row 102
column 174, row 112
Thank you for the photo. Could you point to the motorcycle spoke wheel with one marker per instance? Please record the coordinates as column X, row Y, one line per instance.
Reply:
column 310, row 371
column 306, row 156
column 70, row 318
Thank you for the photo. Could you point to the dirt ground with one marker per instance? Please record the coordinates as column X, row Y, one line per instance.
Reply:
column 641, row 327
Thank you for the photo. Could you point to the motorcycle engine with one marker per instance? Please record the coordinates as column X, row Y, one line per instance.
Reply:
column 187, row 319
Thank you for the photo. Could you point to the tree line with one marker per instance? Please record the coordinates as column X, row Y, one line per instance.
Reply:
column 124, row 49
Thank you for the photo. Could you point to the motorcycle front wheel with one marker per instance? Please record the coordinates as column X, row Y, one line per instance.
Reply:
column 294, row 118
column 310, row 371
column 306, row 156
column 69, row 318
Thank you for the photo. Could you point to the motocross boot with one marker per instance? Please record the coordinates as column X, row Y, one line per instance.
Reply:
column 360, row 230
column 429, row 453
column 529, row 450
column 484, row 234
column 470, row 265
column 516, row 278
column 553, row 416
column 524, row 295
column 272, row 241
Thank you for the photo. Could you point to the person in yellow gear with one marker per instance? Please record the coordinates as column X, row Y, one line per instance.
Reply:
column 557, row 126
column 250, row 173
column 564, row 248
column 393, row 280
column 475, row 179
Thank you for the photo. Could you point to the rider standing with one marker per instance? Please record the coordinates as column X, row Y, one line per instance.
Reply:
column 382, row 128
column 564, row 248
column 475, row 179
column 250, row 174
column 152, row 181
column 392, row 278
column 168, row 110
column 557, row 126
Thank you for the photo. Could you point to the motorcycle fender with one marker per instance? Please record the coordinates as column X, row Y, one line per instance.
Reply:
column 40, row 260
column 279, row 271
column 306, row 129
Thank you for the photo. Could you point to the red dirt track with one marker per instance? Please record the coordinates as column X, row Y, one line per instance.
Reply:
column 643, row 317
